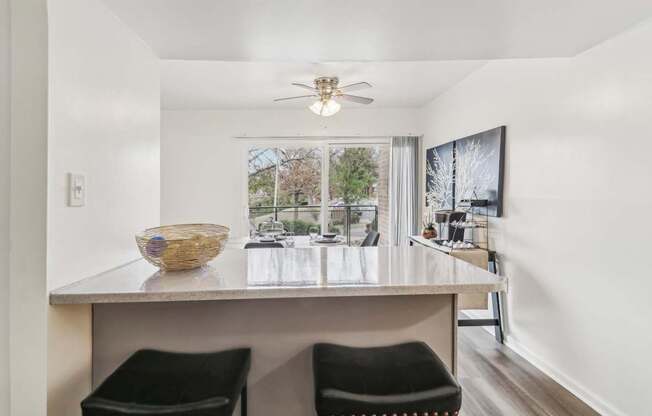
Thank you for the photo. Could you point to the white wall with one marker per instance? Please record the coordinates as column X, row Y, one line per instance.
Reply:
column 105, row 123
column 202, row 166
column 5, row 148
column 575, row 235
column 27, row 232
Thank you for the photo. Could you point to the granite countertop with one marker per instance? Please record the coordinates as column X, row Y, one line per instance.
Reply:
column 288, row 273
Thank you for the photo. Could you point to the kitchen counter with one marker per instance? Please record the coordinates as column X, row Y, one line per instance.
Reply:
column 280, row 302
column 288, row 273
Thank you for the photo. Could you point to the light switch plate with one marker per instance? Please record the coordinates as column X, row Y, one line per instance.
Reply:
column 76, row 190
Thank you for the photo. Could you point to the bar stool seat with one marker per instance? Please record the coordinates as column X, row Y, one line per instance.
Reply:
column 154, row 382
column 404, row 379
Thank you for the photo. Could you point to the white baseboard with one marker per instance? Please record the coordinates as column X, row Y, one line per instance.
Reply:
column 582, row 393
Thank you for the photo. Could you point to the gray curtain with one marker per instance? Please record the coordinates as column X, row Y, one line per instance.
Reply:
column 405, row 188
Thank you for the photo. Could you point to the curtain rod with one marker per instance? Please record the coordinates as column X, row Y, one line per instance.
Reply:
column 304, row 137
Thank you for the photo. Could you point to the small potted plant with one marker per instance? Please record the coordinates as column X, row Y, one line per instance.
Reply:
column 429, row 230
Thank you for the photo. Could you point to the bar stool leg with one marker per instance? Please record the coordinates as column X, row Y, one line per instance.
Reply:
column 243, row 401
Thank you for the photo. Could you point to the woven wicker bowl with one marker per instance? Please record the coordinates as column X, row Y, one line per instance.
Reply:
column 183, row 246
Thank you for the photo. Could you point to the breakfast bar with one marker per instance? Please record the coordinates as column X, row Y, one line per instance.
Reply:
column 279, row 302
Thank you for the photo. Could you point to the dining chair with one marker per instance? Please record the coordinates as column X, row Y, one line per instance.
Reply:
column 258, row 244
column 371, row 240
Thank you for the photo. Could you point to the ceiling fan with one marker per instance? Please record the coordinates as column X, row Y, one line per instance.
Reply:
column 326, row 90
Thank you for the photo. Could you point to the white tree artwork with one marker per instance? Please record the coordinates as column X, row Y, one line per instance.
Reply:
column 440, row 182
column 469, row 174
column 473, row 174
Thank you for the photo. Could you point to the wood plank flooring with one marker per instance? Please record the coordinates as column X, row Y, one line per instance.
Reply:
column 498, row 382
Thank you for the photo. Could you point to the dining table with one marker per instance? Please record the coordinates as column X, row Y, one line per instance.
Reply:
column 297, row 241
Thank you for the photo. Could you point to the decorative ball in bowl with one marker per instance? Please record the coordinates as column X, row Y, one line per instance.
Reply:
column 182, row 246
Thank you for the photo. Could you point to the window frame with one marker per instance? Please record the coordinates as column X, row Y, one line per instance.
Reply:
column 324, row 143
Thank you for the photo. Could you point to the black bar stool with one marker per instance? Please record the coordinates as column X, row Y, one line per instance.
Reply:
column 400, row 380
column 173, row 384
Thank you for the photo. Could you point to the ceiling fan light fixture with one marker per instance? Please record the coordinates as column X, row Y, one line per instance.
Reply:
column 326, row 89
column 325, row 108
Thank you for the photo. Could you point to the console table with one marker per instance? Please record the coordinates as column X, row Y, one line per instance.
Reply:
column 482, row 258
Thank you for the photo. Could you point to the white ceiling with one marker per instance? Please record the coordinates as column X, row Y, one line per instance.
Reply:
column 245, row 85
column 375, row 30
column 222, row 54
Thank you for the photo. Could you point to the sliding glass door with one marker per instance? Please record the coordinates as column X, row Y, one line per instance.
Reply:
column 357, row 182
column 285, row 184
column 341, row 188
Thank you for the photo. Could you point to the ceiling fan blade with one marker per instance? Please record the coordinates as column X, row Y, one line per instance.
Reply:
column 294, row 98
column 308, row 87
column 355, row 87
column 356, row 99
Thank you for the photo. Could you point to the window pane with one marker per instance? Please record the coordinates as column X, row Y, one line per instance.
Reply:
column 299, row 176
column 357, row 190
column 262, row 171
column 299, row 184
column 285, row 183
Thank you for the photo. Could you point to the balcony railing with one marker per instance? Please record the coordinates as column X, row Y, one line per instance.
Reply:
column 350, row 221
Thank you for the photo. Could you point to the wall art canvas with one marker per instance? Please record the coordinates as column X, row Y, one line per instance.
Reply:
column 468, row 168
column 479, row 161
column 439, row 176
